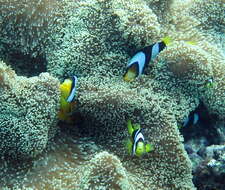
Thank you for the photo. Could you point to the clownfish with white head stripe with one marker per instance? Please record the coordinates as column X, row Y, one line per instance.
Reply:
column 67, row 100
column 136, row 144
column 192, row 119
column 139, row 61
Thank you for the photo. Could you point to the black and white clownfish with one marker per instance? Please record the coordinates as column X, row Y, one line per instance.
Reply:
column 138, row 140
column 67, row 100
column 139, row 61
column 136, row 144
column 191, row 120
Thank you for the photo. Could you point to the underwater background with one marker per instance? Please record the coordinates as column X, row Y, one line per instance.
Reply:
column 177, row 103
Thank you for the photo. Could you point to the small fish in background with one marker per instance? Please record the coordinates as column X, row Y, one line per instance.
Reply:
column 198, row 116
column 136, row 144
column 140, row 60
column 67, row 100
column 191, row 120
column 209, row 83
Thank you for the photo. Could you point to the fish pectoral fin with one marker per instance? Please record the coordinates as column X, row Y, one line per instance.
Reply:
column 129, row 76
column 131, row 73
column 149, row 147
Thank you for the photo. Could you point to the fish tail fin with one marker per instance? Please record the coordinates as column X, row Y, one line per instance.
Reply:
column 130, row 127
column 64, row 117
column 167, row 40
column 61, row 115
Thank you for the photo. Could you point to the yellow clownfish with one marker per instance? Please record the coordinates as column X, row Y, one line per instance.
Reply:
column 136, row 143
column 139, row 61
column 67, row 103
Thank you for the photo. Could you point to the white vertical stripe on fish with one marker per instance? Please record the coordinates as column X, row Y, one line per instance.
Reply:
column 140, row 58
column 155, row 51
column 196, row 118
column 138, row 136
column 73, row 91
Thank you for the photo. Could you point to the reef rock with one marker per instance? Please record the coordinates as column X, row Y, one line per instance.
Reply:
column 94, row 40
column 210, row 172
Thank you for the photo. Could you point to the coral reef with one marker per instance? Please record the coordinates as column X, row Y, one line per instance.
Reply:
column 204, row 58
column 196, row 65
column 154, row 112
column 139, row 24
column 61, row 162
column 204, row 144
column 210, row 16
column 71, row 162
column 26, row 28
column 220, row 128
column 211, row 168
column 94, row 39
column 102, row 165
column 89, row 44
column 28, row 112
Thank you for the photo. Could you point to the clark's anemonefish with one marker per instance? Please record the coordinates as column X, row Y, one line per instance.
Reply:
column 136, row 144
column 139, row 61
column 67, row 100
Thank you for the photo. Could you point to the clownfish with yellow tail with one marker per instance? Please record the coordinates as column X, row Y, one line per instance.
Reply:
column 139, row 61
column 67, row 103
column 136, row 145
